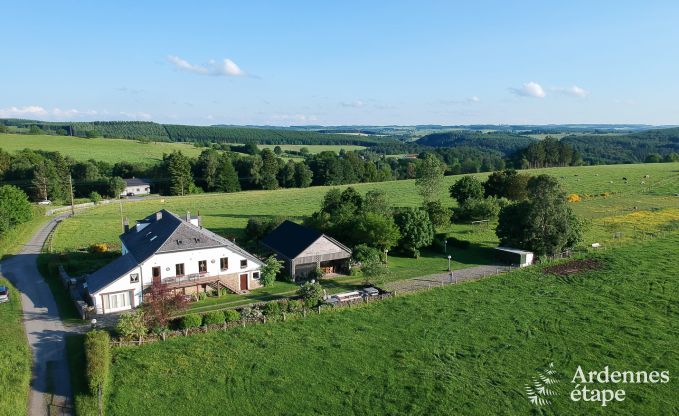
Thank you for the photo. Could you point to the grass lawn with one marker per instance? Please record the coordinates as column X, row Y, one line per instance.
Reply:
column 465, row 349
column 15, row 368
column 13, row 240
column 109, row 150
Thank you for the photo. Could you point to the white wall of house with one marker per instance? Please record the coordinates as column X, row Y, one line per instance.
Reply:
column 136, row 190
column 124, row 286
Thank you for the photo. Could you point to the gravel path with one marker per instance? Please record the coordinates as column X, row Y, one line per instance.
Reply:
column 50, row 382
column 437, row 280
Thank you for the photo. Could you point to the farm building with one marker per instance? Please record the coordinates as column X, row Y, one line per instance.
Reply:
column 136, row 186
column 177, row 253
column 303, row 250
column 514, row 256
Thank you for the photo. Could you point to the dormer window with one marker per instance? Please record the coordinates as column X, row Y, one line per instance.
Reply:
column 244, row 264
column 179, row 242
column 197, row 240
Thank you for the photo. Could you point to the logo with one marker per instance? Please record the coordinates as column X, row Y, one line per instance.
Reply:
column 542, row 387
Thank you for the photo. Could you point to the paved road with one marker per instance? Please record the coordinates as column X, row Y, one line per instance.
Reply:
column 50, row 382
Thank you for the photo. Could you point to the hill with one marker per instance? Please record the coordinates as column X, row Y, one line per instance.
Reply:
column 505, row 143
column 625, row 148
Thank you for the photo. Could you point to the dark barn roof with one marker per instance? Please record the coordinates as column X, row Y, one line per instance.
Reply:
column 136, row 182
column 290, row 239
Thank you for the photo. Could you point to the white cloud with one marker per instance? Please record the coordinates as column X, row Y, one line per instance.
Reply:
column 353, row 104
column 136, row 116
column 573, row 91
column 28, row 111
column 225, row 67
column 474, row 99
column 530, row 89
column 292, row 118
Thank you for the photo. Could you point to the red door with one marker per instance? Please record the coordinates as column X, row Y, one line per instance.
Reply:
column 156, row 274
column 244, row 281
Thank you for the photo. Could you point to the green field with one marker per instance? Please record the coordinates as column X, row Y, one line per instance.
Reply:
column 108, row 150
column 465, row 349
column 15, row 368
column 313, row 148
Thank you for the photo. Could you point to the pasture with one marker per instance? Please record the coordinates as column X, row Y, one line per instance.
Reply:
column 108, row 150
column 463, row 349
column 15, row 369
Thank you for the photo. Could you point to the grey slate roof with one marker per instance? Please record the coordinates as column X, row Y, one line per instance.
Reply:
column 160, row 232
column 136, row 182
column 290, row 239
column 109, row 273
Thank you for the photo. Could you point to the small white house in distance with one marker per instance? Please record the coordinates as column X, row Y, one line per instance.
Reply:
column 514, row 256
column 176, row 252
column 136, row 186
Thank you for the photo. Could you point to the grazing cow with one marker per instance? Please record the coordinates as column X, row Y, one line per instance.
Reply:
column 624, row 179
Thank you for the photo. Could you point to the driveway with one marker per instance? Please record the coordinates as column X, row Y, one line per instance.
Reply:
column 50, row 381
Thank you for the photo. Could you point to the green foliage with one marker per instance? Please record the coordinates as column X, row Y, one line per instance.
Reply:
column 295, row 305
column 363, row 253
column 178, row 169
column 417, row 231
column 271, row 268
column 465, row 188
column 272, row 309
column 549, row 152
column 544, row 224
column 98, row 357
column 477, row 209
column 258, row 227
column 226, row 177
column 231, row 315
column 132, row 324
column 438, row 214
column 192, row 320
column 508, row 184
column 95, row 197
column 624, row 148
column 376, row 230
column 14, row 208
column 214, row 318
column 311, row 294
column 429, row 177
column 374, row 271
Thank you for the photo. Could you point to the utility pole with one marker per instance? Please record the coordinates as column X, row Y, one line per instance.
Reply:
column 70, row 188
column 122, row 220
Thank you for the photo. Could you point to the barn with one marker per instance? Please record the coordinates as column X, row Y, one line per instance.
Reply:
column 303, row 249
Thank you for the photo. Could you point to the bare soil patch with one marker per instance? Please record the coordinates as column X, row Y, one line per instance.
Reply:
column 573, row 267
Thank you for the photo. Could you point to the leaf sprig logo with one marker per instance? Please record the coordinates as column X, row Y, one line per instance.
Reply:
column 543, row 386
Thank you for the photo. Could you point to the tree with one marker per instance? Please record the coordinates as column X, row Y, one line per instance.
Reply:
column 42, row 180
column 161, row 304
column 270, row 270
column 507, row 184
column 416, row 229
column 269, row 170
column 362, row 253
column 376, row 230
column 467, row 187
column 544, row 223
column 207, row 166
column 303, row 175
column 429, row 177
column 226, row 178
column 477, row 209
column 178, row 168
column 94, row 197
column 116, row 186
column 438, row 214
column 376, row 201
column 277, row 150
column 653, row 158
column 374, row 271
column 15, row 208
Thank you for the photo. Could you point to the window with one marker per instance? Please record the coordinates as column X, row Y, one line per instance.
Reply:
column 134, row 278
column 116, row 300
column 243, row 264
column 224, row 263
column 255, row 275
column 202, row 266
column 155, row 272
column 179, row 269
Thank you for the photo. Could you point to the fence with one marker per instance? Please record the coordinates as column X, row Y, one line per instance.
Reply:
column 243, row 322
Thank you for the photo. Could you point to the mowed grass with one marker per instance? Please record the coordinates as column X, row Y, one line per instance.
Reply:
column 227, row 214
column 15, row 364
column 313, row 148
column 464, row 349
column 108, row 150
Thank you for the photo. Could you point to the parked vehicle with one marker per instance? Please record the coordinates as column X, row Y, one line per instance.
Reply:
column 4, row 294
column 45, row 202
column 369, row 292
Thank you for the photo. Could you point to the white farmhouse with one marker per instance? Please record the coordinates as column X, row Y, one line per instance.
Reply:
column 136, row 186
column 176, row 252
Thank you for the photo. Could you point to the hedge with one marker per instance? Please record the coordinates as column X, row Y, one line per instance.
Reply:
column 98, row 358
column 192, row 320
column 213, row 318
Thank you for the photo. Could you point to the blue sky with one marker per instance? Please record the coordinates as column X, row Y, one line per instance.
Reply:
column 343, row 62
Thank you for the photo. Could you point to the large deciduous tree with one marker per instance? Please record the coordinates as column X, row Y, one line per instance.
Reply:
column 416, row 230
column 467, row 187
column 14, row 207
column 429, row 177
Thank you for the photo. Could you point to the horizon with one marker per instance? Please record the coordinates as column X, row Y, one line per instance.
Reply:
column 300, row 63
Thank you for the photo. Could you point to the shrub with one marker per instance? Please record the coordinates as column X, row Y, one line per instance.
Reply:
column 231, row 315
column 311, row 294
column 363, row 253
column 295, row 305
column 315, row 274
column 192, row 320
column 94, row 197
column 98, row 359
column 573, row 198
column 202, row 295
column 250, row 313
column 477, row 209
column 438, row 214
column 132, row 324
column 272, row 309
column 213, row 318
column 98, row 248
column 271, row 268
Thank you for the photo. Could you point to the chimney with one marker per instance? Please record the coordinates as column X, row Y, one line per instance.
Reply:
column 126, row 225
column 159, row 215
column 200, row 224
column 188, row 216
